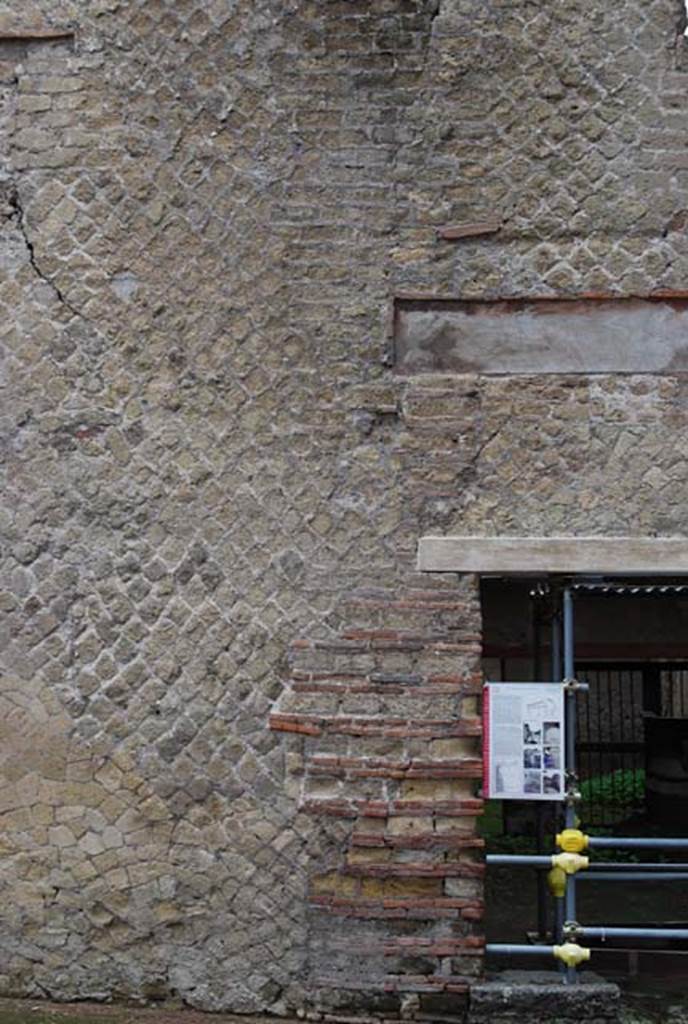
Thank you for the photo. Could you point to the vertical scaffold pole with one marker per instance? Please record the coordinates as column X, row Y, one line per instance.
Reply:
column 540, row 879
column 556, row 678
column 570, row 734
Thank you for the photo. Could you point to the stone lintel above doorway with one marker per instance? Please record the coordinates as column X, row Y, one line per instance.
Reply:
column 620, row 556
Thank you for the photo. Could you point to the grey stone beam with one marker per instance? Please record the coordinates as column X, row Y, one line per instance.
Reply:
column 647, row 556
column 541, row 335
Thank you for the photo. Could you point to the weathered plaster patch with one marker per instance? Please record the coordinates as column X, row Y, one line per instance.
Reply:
column 125, row 285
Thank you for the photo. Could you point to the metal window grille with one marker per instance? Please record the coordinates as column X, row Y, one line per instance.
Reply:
column 612, row 725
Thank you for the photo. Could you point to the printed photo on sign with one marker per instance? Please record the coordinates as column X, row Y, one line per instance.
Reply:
column 532, row 733
column 551, row 782
column 533, row 782
column 532, row 758
column 552, row 731
column 507, row 778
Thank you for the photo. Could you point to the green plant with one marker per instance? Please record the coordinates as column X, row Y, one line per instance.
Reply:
column 625, row 786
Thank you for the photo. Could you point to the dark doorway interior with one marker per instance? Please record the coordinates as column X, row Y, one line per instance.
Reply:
column 632, row 649
column 631, row 646
column 633, row 744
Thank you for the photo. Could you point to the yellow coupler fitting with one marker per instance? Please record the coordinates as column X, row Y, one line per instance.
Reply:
column 556, row 880
column 570, row 862
column 571, row 954
column 572, row 840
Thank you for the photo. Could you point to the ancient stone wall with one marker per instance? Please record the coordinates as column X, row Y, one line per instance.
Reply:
column 215, row 481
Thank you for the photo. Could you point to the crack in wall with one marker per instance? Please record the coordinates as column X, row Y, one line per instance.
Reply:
column 477, row 455
column 20, row 220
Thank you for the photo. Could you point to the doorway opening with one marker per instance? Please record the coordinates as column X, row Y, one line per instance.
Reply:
column 631, row 648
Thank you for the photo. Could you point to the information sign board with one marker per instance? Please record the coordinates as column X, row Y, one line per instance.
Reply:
column 523, row 741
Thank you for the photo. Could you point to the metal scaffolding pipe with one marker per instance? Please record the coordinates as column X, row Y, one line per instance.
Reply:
column 633, row 933
column 556, row 677
column 570, row 731
column 531, row 860
column 509, row 949
column 559, row 918
column 598, row 872
column 635, row 876
column 636, row 843
column 651, row 866
column 540, row 880
column 570, row 755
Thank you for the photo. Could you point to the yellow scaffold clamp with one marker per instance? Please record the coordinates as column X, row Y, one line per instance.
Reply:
column 570, row 863
column 571, row 954
column 556, row 882
column 572, row 840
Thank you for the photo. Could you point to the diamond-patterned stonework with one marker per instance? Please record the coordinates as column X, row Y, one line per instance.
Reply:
column 214, row 485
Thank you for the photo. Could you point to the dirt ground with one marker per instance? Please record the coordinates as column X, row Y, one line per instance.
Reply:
column 31, row 1011
column 640, row 1007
